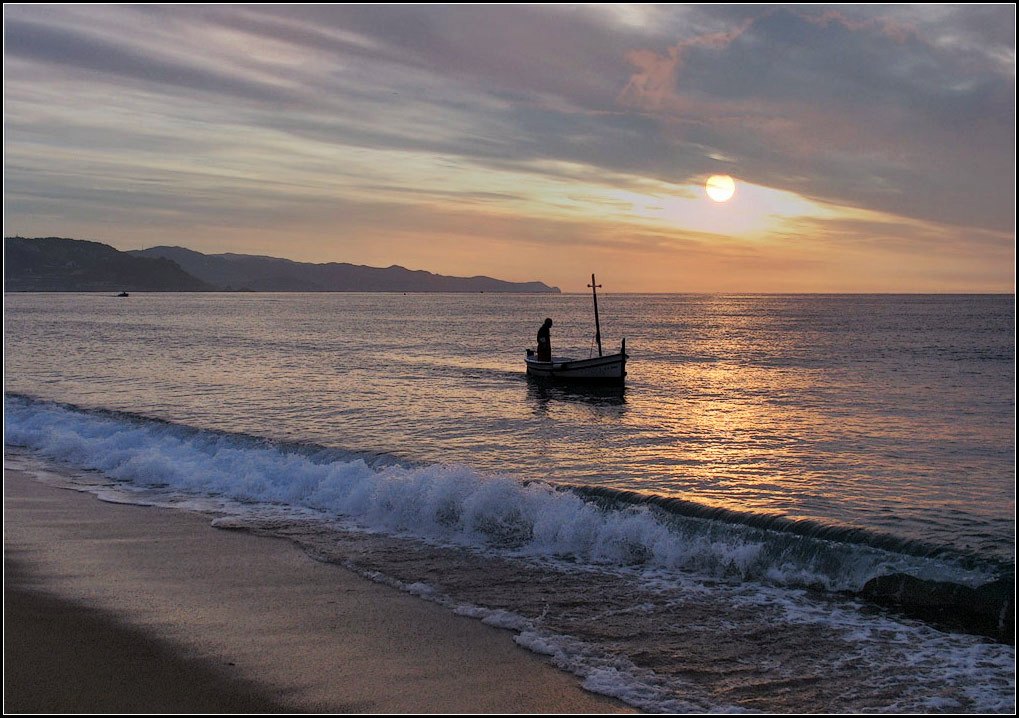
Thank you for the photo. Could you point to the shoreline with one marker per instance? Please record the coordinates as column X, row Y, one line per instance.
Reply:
column 119, row 607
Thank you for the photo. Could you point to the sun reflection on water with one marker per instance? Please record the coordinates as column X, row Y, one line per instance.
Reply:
column 850, row 411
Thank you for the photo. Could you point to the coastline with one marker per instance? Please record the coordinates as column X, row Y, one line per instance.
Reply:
column 117, row 607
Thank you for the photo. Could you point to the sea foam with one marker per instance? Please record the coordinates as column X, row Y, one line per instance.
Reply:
column 447, row 503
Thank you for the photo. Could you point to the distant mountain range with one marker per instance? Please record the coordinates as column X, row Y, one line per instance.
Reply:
column 53, row 264
column 270, row 274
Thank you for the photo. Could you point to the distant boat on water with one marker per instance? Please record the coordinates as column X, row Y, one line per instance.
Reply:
column 603, row 369
column 123, row 294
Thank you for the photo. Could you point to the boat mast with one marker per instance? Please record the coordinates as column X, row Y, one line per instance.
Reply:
column 597, row 324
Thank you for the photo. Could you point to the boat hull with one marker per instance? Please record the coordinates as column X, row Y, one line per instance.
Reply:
column 609, row 369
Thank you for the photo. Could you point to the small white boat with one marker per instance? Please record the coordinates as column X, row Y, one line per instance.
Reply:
column 602, row 369
column 609, row 369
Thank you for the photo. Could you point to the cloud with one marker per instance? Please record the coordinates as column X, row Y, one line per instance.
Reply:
column 81, row 53
column 866, row 111
column 232, row 116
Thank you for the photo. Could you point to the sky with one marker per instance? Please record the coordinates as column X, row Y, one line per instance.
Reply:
column 872, row 146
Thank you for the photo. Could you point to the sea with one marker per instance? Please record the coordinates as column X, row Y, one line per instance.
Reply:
column 696, row 541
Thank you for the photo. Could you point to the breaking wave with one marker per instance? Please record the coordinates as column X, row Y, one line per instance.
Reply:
column 456, row 504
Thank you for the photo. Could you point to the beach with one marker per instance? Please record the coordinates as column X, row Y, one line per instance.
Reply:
column 114, row 607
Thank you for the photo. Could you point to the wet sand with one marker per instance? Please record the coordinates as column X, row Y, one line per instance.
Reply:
column 112, row 607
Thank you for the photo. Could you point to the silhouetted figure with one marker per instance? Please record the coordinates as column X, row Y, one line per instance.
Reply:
column 545, row 342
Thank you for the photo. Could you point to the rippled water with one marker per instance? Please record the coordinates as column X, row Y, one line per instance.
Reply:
column 893, row 413
column 768, row 455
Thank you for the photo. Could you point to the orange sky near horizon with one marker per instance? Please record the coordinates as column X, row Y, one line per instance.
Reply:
column 528, row 143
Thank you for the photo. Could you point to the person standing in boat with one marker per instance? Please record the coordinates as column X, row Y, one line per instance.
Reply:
column 545, row 341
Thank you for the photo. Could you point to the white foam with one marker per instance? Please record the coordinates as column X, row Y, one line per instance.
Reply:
column 420, row 589
column 437, row 502
column 117, row 497
column 608, row 675
column 450, row 503
column 613, row 676
column 496, row 617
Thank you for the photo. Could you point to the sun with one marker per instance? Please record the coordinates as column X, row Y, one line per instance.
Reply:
column 720, row 188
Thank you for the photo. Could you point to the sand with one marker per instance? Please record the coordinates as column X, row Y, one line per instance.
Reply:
column 112, row 607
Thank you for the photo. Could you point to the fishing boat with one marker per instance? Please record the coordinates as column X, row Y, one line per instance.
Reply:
column 602, row 369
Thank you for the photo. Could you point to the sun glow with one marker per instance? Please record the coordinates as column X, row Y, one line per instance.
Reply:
column 720, row 188
column 755, row 212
